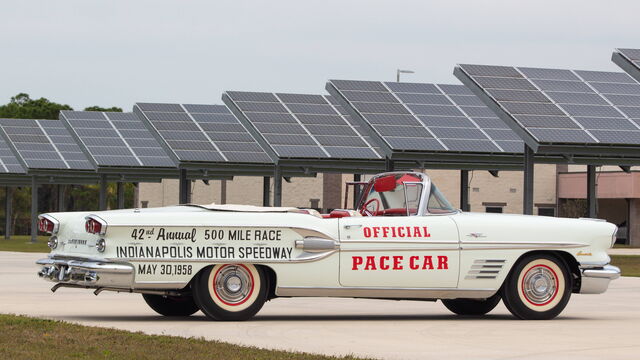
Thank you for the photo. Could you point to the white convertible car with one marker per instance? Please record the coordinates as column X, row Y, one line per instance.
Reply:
column 404, row 241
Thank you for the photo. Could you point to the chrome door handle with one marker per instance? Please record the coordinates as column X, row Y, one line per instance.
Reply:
column 354, row 226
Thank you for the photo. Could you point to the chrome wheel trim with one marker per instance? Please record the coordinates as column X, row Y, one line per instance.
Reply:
column 539, row 285
column 233, row 284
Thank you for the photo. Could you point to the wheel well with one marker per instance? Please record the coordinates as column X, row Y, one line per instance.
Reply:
column 272, row 281
column 568, row 259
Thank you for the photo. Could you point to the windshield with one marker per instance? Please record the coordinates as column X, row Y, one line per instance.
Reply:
column 392, row 195
column 437, row 203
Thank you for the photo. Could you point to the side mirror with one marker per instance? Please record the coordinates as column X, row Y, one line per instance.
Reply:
column 387, row 183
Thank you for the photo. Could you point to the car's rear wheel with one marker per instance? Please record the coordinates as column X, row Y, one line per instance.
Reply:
column 537, row 288
column 230, row 292
column 472, row 306
column 171, row 305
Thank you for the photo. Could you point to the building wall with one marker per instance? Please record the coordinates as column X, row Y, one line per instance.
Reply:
column 483, row 189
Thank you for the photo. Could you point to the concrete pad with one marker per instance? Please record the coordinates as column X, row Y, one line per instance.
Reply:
column 624, row 251
column 591, row 327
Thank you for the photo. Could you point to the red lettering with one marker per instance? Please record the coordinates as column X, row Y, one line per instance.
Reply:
column 428, row 263
column 401, row 232
column 357, row 260
column 376, row 231
column 393, row 231
column 371, row 263
column 396, row 263
column 412, row 263
column 383, row 263
column 385, row 231
column 443, row 262
column 416, row 232
column 426, row 232
column 367, row 232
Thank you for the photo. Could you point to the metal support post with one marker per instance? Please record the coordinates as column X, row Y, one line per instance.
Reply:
column 60, row 196
column 527, row 189
column 356, row 189
column 223, row 192
column 389, row 165
column 8, row 201
column 120, row 194
column 102, row 203
column 277, row 186
column 266, row 191
column 592, row 196
column 34, row 210
column 464, row 190
column 184, row 188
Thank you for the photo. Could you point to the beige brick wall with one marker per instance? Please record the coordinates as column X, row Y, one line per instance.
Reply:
column 484, row 188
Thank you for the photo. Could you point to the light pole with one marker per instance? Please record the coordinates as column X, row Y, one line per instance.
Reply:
column 399, row 71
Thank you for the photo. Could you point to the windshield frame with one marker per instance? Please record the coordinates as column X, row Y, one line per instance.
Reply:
column 424, row 196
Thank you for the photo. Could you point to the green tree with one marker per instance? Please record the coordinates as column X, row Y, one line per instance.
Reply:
column 99, row 108
column 22, row 106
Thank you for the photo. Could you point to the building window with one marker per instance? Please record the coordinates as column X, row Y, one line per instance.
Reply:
column 547, row 211
column 494, row 209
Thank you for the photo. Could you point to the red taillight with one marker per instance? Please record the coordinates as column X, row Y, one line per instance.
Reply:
column 93, row 226
column 46, row 226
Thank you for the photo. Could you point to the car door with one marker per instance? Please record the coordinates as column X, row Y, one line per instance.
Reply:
column 399, row 251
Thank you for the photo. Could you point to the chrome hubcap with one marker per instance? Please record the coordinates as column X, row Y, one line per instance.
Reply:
column 539, row 285
column 233, row 284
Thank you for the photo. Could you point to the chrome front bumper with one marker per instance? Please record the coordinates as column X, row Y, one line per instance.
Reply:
column 595, row 280
column 88, row 273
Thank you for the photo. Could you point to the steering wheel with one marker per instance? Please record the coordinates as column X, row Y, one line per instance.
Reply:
column 366, row 212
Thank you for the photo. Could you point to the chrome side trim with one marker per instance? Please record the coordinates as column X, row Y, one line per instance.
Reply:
column 420, row 242
column 385, row 292
column 315, row 244
column 485, row 269
column 497, row 245
column 401, row 249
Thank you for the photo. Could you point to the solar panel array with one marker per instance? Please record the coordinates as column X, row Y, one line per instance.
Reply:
column 9, row 164
column 427, row 117
column 45, row 144
column 302, row 125
column 202, row 133
column 630, row 61
column 564, row 106
column 116, row 139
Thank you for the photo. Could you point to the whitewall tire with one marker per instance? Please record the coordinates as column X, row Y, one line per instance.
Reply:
column 230, row 291
column 537, row 288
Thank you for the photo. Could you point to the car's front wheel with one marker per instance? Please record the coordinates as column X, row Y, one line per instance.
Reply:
column 231, row 292
column 472, row 306
column 537, row 288
column 171, row 305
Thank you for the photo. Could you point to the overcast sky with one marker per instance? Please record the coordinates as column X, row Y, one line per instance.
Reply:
column 91, row 52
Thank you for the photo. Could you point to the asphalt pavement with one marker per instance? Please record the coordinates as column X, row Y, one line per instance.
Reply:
column 591, row 327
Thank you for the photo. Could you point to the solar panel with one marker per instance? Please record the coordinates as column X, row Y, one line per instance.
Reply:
column 561, row 106
column 9, row 164
column 426, row 117
column 628, row 60
column 44, row 144
column 302, row 125
column 115, row 139
column 201, row 133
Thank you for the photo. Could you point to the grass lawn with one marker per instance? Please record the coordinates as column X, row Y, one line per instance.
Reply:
column 29, row 338
column 23, row 243
column 628, row 264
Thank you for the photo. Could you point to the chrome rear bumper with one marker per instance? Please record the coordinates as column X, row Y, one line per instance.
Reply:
column 86, row 272
column 596, row 280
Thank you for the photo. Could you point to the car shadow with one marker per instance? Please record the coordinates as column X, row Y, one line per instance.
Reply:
column 310, row 318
